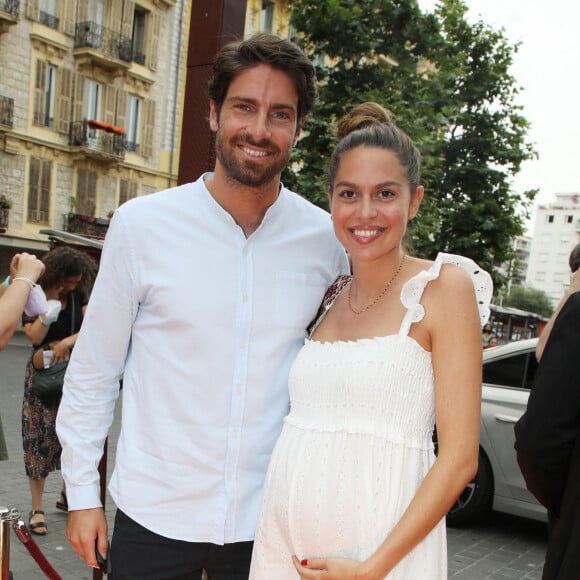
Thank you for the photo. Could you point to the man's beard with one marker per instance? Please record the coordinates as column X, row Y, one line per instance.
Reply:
column 245, row 171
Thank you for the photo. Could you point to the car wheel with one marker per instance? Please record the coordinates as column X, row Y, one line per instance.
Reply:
column 476, row 499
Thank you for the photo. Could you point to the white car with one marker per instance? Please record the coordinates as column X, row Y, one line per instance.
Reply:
column 508, row 376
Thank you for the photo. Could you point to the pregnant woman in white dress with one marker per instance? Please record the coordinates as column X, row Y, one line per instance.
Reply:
column 354, row 489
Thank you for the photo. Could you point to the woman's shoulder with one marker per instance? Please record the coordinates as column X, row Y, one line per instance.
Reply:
column 451, row 277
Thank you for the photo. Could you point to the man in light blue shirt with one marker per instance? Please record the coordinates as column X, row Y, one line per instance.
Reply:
column 202, row 300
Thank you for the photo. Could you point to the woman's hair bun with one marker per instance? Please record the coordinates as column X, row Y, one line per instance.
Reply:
column 361, row 116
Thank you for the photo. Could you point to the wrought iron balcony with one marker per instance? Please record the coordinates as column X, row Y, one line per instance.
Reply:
column 10, row 7
column 97, row 142
column 48, row 19
column 6, row 112
column 86, row 225
column 4, row 219
column 9, row 13
column 103, row 41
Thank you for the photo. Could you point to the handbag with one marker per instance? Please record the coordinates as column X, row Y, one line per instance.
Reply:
column 47, row 382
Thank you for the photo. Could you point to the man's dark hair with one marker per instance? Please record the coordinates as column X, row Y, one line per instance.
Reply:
column 279, row 53
column 574, row 259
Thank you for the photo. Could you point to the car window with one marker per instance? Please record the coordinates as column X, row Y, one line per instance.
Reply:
column 517, row 371
column 530, row 379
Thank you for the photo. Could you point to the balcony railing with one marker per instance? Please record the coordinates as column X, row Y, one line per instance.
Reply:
column 48, row 19
column 105, row 41
column 100, row 142
column 6, row 111
column 4, row 219
column 86, row 225
column 11, row 7
column 137, row 57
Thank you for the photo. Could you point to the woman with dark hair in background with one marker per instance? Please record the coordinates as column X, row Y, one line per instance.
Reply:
column 66, row 281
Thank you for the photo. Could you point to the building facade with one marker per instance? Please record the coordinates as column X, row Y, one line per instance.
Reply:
column 91, row 93
column 518, row 267
column 556, row 232
column 91, row 108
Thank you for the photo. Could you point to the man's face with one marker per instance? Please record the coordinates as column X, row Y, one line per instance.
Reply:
column 256, row 127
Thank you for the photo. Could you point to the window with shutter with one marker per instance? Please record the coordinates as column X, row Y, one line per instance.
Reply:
column 267, row 16
column 140, row 17
column 148, row 128
column 39, row 93
column 64, row 100
column 154, row 26
column 133, row 123
column 127, row 190
column 86, row 192
column 48, row 13
column 39, row 178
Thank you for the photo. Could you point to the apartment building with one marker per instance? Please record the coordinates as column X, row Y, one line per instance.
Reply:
column 518, row 267
column 91, row 94
column 267, row 16
column 556, row 232
column 91, row 107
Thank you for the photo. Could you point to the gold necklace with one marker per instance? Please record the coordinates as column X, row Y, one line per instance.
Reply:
column 384, row 291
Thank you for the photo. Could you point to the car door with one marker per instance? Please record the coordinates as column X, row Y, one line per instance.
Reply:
column 507, row 381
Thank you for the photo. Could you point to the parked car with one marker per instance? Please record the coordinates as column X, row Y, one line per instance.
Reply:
column 508, row 376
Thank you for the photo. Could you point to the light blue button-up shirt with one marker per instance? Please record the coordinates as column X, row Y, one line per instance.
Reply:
column 204, row 325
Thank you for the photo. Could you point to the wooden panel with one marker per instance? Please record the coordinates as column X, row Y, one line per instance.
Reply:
column 213, row 24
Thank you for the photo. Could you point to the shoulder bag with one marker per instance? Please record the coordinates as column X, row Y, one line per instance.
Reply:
column 47, row 382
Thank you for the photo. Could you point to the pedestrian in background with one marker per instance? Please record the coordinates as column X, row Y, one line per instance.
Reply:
column 15, row 295
column 66, row 281
column 202, row 301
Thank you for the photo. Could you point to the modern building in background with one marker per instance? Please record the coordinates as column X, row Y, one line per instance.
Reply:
column 556, row 232
column 91, row 108
column 518, row 267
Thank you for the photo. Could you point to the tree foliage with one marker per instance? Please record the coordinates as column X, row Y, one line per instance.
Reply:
column 530, row 300
column 447, row 83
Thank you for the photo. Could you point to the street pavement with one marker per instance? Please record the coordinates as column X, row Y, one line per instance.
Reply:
column 500, row 548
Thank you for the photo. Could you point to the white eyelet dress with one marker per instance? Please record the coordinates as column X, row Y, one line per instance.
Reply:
column 355, row 447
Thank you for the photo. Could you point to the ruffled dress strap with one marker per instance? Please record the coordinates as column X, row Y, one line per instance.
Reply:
column 412, row 290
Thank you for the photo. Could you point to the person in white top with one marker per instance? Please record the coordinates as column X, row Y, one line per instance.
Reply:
column 202, row 301
column 354, row 489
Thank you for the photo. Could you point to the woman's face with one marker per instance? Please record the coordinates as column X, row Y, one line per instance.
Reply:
column 70, row 283
column 371, row 202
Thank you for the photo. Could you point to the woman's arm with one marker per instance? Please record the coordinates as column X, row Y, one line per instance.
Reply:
column 25, row 269
column 61, row 350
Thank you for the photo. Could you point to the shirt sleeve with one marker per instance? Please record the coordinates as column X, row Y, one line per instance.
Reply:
column 547, row 432
column 91, row 385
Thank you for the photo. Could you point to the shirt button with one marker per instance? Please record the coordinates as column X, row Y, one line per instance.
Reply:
column 242, row 344
column 245, row 252
column 245, row 297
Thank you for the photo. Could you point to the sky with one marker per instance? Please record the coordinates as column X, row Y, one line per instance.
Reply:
column 546, row 69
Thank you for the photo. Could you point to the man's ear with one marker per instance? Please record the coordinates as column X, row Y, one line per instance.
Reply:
column 416, row 201
column 213, row 116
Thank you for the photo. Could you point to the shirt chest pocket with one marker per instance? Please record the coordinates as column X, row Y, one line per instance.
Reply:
column 298, row 297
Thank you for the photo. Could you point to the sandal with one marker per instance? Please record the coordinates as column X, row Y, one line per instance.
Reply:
column 34, row 526
column 62, row 503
